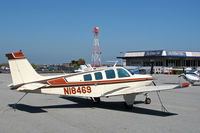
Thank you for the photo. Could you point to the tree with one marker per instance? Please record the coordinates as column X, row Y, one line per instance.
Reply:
column 81, row 61
column 34, row 66
column 77, row 63
column 4, row 64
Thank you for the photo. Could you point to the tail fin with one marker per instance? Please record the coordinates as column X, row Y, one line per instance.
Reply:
column 21, row 69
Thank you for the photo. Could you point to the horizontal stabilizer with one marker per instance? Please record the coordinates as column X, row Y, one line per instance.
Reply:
column 31, row 86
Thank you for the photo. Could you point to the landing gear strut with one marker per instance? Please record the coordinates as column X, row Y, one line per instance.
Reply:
column 96, row 99
column 147, row 100
column 128, row 106
column 129, row 100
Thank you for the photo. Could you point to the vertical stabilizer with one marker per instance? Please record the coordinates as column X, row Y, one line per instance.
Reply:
column 21, row 70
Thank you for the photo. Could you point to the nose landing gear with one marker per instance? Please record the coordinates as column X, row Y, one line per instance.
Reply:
column 147, row 99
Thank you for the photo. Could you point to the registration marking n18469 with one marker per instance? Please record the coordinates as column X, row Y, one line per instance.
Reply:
column 77, row 90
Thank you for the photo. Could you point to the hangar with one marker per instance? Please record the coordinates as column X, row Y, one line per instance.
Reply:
column 162, row 58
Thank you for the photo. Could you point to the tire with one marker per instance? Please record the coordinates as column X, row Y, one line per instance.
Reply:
column 128, row 106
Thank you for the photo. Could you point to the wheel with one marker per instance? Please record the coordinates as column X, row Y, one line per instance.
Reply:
column 96, row 99
column 128, row 106
column 147, row 101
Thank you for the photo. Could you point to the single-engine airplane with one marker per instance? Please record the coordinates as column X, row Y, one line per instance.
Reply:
column 105, row 82
column 192, row 77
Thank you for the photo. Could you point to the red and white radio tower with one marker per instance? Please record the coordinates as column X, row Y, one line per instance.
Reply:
column 96, row 60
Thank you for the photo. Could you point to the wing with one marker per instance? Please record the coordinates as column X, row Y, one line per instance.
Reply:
column 128, row 90
column 160, row 87
column 31, row 86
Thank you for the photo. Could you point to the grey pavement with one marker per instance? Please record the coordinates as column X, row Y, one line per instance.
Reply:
column 38, row 113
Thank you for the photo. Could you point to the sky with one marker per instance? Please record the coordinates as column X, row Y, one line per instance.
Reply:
column 58, row 31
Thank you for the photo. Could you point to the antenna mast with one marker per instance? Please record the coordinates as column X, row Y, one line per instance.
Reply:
column 96, row 60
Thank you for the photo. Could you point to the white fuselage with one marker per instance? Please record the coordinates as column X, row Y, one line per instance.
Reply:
column 90, row 84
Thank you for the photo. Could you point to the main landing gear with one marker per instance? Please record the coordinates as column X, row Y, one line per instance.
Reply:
column 95, row 99
column 129, row 100
column 128, row 106
column 147, row 99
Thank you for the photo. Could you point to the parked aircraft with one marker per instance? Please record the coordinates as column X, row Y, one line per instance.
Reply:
column 139, row 69
column 105, row 82
column 84, row 68
column 192, row 76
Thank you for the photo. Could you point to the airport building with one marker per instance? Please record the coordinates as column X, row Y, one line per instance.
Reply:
column 162, row 58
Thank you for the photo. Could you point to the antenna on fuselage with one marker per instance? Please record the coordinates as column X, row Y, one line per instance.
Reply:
column 115, row 63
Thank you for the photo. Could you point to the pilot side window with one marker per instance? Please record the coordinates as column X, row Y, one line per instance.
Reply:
column 110, row 74
column 98, row 75
column 122, row 73
column 87, row 77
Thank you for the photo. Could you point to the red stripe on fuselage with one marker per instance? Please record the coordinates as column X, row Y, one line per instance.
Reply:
column 59, row 81
column 62, row 82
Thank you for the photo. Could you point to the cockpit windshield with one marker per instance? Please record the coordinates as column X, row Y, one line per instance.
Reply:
column 132, row 72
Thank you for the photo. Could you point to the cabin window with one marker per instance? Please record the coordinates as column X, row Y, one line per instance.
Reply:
column 87, row 77
column 98, row 75
column 122, row 73
column 110, row 74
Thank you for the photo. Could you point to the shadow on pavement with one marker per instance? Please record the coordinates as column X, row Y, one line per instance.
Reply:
column 86, row 103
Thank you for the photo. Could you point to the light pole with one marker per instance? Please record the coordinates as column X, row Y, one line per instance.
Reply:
column 122, row 53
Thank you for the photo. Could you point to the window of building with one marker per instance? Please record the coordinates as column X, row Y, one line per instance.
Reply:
column 159, row 63
column 188, row 63
column 193, row 63
column 147, row 63
column 98, row 75
column 184, row 63
column 167, row 63
column 135, row 63
column 110, row 74
column 122, row 73
column 87, row 77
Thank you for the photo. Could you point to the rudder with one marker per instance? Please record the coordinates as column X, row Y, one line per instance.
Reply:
column 21, row 70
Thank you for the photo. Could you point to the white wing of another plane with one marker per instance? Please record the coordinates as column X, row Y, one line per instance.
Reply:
column 129, row 90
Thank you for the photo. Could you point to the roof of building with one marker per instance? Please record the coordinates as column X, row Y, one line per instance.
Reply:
column 161, row 53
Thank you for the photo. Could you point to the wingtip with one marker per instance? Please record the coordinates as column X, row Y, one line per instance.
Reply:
column 185, row 85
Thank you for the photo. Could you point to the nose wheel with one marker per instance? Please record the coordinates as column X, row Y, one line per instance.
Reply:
column 147, row 99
